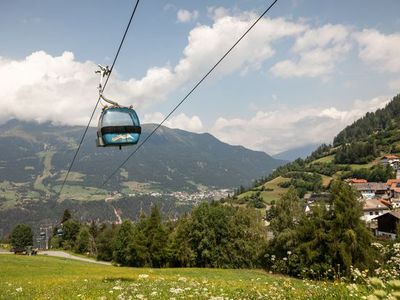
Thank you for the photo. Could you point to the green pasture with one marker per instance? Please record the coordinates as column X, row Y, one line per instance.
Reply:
column 41, row 277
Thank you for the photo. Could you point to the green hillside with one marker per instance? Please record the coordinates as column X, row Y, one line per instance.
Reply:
column 34, row 158
column 41, row 277
column 355, row 153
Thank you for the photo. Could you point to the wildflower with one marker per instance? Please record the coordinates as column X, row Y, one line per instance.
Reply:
column 380, row 294
column 376, row 282
column 175, row 290
column 395, row 284
column 19, row 290
column 140, row 296
column 143, row 276
column 117, row 288
column 183, row 279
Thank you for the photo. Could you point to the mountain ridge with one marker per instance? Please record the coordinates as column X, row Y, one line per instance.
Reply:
column 170, row 167
column 356, row 152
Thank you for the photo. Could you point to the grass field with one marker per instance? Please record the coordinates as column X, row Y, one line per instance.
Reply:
column 23, row 277
column 325, row 159
column 268, row 196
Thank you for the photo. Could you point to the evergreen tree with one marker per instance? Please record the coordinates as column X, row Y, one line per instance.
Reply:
column 157, row 238
column 123, row 240
column 21, row 236
column 70, row 232
column 105, row 243
column 350, row 240
column 287, row 215
column 93, row 229
column 84, row 241
column 179, row 248
column 66, row 216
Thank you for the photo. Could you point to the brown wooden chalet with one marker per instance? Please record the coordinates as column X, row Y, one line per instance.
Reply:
column 387, row 224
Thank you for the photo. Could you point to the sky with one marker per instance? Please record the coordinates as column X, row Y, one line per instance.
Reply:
column 306, row 70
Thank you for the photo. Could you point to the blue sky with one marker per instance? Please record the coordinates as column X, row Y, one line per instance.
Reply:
column 306, row 71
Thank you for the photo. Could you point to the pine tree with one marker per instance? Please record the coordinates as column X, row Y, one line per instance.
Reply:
column 157, row 238
column 105, row 243
column 180, row 252
column 66, row 216
column 350, row 240
column 287, row 215
column 122, row 244
column 21, row 236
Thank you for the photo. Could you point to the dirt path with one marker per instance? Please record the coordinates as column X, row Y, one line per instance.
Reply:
column 69, row 256
column 119, row 220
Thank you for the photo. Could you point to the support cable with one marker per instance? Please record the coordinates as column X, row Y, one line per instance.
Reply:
column 188, row 94
column 98, row 100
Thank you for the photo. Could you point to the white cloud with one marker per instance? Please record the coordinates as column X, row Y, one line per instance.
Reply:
column 284, row 129
column 181, row 121
column 60, row 89
column 379, row 50
column 318, row 51
column 394, row 84
column 185, row 16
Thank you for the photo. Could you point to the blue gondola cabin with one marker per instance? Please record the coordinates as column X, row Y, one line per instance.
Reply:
column 118, row 126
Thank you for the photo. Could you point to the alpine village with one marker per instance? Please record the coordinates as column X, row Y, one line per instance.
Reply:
column 173, row 195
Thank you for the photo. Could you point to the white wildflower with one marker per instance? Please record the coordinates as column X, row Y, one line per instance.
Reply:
column 175, row 290
column 183, row 279
column 19, row 290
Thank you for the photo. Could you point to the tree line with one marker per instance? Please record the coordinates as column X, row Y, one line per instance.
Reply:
column 372, row 123
column 212, row 235
column 327, row 240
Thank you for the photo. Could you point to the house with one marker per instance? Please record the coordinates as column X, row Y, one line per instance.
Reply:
column 395, row 203
column 387, row 224
column 394, row 187
column 371, row 190
column 392, row 160
column 373, row 208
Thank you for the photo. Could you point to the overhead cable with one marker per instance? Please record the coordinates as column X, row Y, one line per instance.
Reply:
column 189, row 93
column 98, row 100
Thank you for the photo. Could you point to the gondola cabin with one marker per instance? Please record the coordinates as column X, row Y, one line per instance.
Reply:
column 118, row 126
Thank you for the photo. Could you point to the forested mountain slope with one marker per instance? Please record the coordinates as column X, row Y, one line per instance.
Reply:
column 356, row 152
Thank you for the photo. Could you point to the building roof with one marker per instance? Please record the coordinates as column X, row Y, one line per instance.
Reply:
column 395, row 214
column 355, row 180
column 391, row 156
column 391, row 181
column 374, row 186
column 385, row 202
column 374, row 204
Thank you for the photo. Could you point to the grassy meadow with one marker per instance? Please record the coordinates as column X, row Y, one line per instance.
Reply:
column 41, row 277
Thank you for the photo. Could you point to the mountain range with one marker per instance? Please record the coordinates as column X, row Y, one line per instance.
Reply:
column 34, row 158
column 294, row 153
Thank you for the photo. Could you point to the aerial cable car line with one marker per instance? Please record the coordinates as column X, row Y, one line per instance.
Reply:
column 100, row 97
column 188, row 94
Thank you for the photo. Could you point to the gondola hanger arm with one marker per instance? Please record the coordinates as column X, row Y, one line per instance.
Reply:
column 104, row 71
